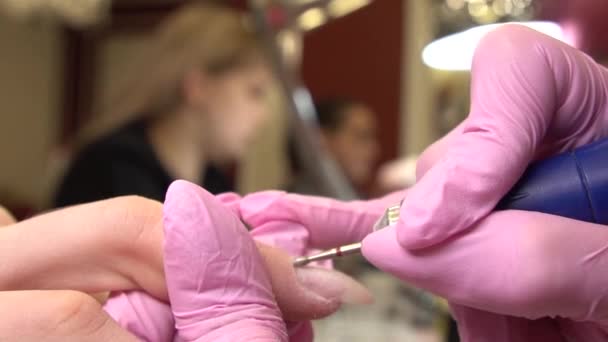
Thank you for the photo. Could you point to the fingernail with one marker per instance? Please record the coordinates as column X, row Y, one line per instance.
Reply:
column 333, row 285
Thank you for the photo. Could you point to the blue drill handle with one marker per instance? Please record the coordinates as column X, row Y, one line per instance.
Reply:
column 572, row 184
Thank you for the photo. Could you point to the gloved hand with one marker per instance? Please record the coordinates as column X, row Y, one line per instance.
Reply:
column 556, row 276
column 308, row 293
column 531, row 96
column 34, row 303
column 329, row 223
column 515, row 263
column 478, row 325
column 218, row 286
column 502, row 136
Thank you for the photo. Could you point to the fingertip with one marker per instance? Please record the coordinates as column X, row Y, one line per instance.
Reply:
column 413, row 239
column 305, row 293
column 180, row 190
column 178, row 185
column 184, row 202
column 189, row 219
column 174, row 195
column 194, row 217
column 381, row 249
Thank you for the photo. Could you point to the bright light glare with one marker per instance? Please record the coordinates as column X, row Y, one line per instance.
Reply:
column 312, row 19
column 340, row 8
column 455, row 52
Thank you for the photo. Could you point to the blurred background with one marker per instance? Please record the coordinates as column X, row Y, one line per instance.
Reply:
column 357, row 89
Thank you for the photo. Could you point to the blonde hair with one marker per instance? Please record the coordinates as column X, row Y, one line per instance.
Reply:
column 211, row 37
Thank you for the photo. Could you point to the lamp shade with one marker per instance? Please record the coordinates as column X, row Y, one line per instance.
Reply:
column 455, row 51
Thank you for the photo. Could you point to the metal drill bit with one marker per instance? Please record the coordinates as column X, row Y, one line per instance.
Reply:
column 329, row 254
column 391, row 215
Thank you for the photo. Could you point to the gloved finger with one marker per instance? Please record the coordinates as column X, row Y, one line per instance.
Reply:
column 437, row 150
column 522, row 83
column 56, row 315
column 476, row 325
column 116, row 243
column 144, row 316
column 218, row 286
column 6, row 217
column 516, row 263
column 216, row 237
column 329, row 222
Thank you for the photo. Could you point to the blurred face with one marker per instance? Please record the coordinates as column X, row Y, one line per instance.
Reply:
column 354, row 144
column 234, row 106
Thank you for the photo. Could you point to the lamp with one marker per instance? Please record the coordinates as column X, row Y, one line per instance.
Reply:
column 455, row 52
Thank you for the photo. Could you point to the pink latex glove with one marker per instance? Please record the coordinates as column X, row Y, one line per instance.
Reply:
column 477, row 325
column 301, row 299
column 514, row 263
column 531, row 96
column 315, row 293
column 218, row 285
column 329, row 223
column 146, row 317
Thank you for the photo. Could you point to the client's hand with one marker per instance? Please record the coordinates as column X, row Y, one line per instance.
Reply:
column 219, row 286
column 114, row 245
column 58, row 314
column 211, row 262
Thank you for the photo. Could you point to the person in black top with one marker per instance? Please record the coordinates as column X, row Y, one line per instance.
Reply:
column 195, row 100
column 124, row 163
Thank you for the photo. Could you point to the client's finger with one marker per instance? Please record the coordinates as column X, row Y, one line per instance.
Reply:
column 56, row 315
column 116, row 243
column 306, row 293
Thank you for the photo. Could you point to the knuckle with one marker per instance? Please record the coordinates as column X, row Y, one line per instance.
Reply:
column 509, row 41
column 132, row 217
column 76, row 313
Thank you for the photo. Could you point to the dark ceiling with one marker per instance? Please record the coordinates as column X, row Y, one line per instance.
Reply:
column 588, row 19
